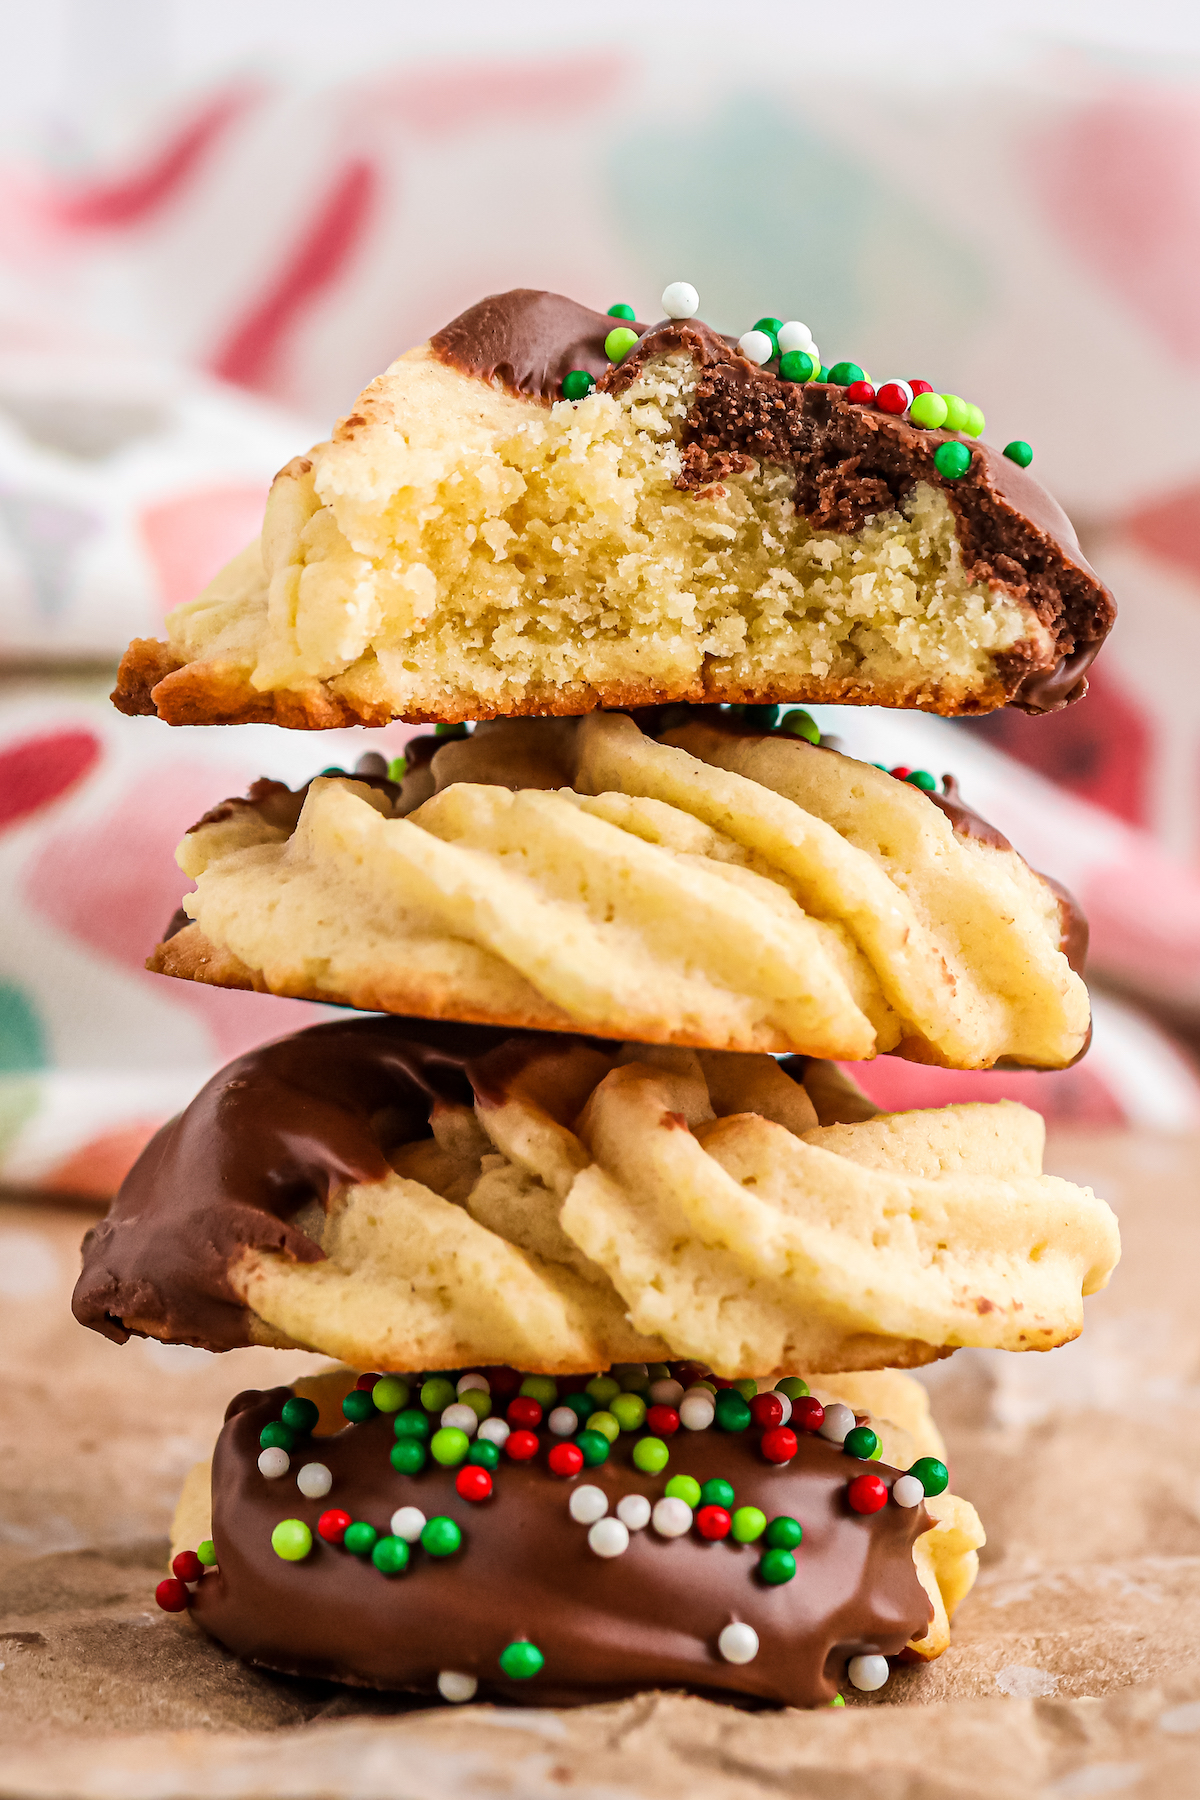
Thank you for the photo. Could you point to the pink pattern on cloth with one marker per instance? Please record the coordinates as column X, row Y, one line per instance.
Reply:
column 39, row 770
column 1068, row 1096
column 1170, row 529
column 95, row 1170
column 469, row 96
column 192, row 537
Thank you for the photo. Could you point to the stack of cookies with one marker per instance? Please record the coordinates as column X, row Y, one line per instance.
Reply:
column 617, row 1266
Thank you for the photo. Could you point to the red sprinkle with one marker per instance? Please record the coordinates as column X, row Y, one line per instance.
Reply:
column 687, row 1374
column 920, row 387
column 780, row 1445
column 892, row 398
column 565, row 1459
column 521, row 1445
column 713, row 1522
column 662, row 1420
column 867, row 1494
column 766, row 1410
column 473, row 1483
column 502, row 1381
column 860, row 393
column 900, row 772
column 807, row 1414
column 187, row 1566
column 366, row 1382
column 334, row 1525
column 524, row 1411
column 172, row 1595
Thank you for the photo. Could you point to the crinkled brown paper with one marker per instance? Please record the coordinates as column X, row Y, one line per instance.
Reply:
column 1075, row 1667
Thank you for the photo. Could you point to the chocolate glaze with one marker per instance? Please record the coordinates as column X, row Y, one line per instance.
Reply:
column 647, row 1619
column 850, row 461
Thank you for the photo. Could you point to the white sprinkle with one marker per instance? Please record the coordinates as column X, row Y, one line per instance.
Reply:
column 680, row 300
column 587, row 1504
column 697, row 1412
column 461, row 1417
column 795, row 336
column 787, row 1405
column 608, row 1537
column 838, row 1423
column 738, row 1643
column 273, row 1463
column 756, row 346
column 461, row 1386
column 495, row 1431
column 907, row 1491
column 563, row 1421
column 868, row 1672
column 666, row 1393
column 408, row 1522
column 314, row 1481
column 671, row 1516
column 456, row 1687
column 634, row 1511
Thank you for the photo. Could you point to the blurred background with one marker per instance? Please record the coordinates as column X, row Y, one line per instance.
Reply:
column 219, row 222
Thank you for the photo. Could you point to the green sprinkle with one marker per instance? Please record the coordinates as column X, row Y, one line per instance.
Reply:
column 956, row 413
column 390, row 1556
column 479, row 1402
column 577, row 384
column 441, row 1537
column 207, row 1553
column 796, row 365
column 923, row 779
column 933, row 1475
column 390, row 1394
column 843, row 374
column 877, row 1452
column 749, row 1523
column 398, row 768
column 747, row 1387
column 629, row 1410
column 593, row 1444
column 409, row 1456
column 276, row 1436
column 762, row 718
column 928, row 410
column 837, row 1700
column 650, row 1455
column 412, row 1424
column 733, row 1414
column 437, row 1394
column 801, row 724
column 542, row 1388
column 621, row 311
column 300, row 1415
column 360, row 1538
column 684, row 1487
column 358, row 1406
column 793, row 1387
column 975, row 421
column 1019, row 452
column 824, row 374
column 484, row 1454
column 458, row 729
column 521, row 1660
column 619, row 343
column 861, row 1442
column 658, row 1372
column 605, row 1425
column 951, row 460
column 602, row 1388
column 633, row 1377
column 776, row 1567
column 710, row 1385
column 449, row 1446
column 291, row 1540
column 582, row 1405
column 772, row 327
column 717, row 1493
column 784, row 1533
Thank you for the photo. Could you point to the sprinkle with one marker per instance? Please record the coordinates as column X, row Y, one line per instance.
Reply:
column 660, row 1372
column 866, row 1494
column 563, row 1421
column 663, row 1421
column 894, row 397
column 390, row 1556
column 495, row 1431
column 738, row 1643
column 776, row 1566
column 928, row 409
column 769, row 1409
column 823, row 373
column 587, row 1504
column 666, row 1392
column 408, row 1456
column 187, row 1566
column 608, row 1537
column 273, row 1463
column 921, row 387
column 716, row 1493
column 933, row 1475
column 807, row 1414
column 780, row 1445
column 696, row 1412
column 923, row 779
column 565, row 1459
column 525, row 1411
column 619, row 343
column 521, row 1660
column 472, row 1483
column 745, row 1385
column 300, row 1415
column 476, row 1401
column 358, row 1406
column 650, row 1455
column 951, row 460
column 542, row 1388
column 792, row 335
column 388, row 1395
column 770, row 324
column 756, row 346
column 474, row 1380
column 457, row 728
column 1019, row 452
column 861, row 1442
column 594, row 1445
column 605, row 1425
column 334, row 1524
column 502, row 1380
column 683, row 1487
column 521, row 1445
column 763, row 718
column 680, row 300
column 397, row 769
column 797, row 365
column 844, row 374
column 582, row 1405
column 292, row 1540
column 713, row 1522
column 412, row 1423
column 441, row 1537
column 633, row 1510
column 602, row 1389
column 276, row 1436
column 956, row 412
column 801, row 724
column 207, row 1553
column 975, row 421
column 733, row 1413
column 867, row 1673
column 901, row 771
column 629, row 1410
column 577, row 384
column 314, row 1481
column 407, row 1522
column 437, row 1394
column 672, row 1517
column 456, row 1687
column 484, row 1455
column 621, row 311
column 449, row 1446
column 860, row 393
column 459, row 1417
column 172, row 1595
column 360, row 1538
column 907, row 1491
column 784, row 1533
column 748, row 1524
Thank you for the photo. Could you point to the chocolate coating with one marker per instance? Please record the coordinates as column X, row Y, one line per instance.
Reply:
column 527, row 340
column 606, row 1627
